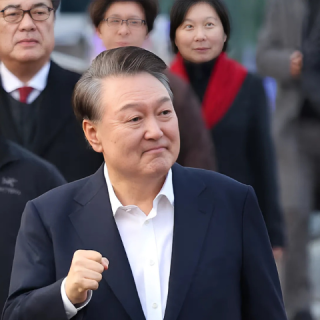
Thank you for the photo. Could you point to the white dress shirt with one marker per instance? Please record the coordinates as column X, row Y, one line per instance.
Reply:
column 11, row 83
column 148, row 244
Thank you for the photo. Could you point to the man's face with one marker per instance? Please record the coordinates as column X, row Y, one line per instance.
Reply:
column 138, row 133
column 123, row 36
column 27, row 40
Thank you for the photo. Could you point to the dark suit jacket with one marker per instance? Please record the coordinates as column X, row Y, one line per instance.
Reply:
column 222, row 265
column 23, row 177
column 59, row 138
column 245, row 152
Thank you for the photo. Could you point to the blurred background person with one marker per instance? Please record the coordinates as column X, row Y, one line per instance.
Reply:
column 234, row 103
column 310, row 76
column 128, row 23
column 296, row 131
column 35, row 93
column 23, row 177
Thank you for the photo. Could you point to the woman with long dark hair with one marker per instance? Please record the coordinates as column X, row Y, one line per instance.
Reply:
column 234, row 104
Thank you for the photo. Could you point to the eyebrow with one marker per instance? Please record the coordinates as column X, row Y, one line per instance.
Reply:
column 214, row 18
column 18, row 6
column 160, row 102
column 119, row 16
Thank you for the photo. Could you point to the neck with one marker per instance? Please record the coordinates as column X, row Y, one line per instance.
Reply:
column 138, row 192
column 24, row 71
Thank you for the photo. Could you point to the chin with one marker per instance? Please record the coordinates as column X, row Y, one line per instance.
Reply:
column 201, row 59
column 159, row 166
column 29, row 56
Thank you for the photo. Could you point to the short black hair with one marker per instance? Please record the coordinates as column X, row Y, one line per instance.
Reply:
column 115, row 62
column 180, row 9
column 55, row 4
column 98, row 9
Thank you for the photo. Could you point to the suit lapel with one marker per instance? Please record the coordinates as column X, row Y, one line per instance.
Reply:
column 96, row 227
column 55, row 110
column 193, row 209
column 7, row 125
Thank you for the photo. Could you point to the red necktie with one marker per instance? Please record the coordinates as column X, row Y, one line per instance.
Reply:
column 24, row 93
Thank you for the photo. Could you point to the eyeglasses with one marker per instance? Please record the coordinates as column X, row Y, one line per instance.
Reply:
column 132, row 23
column 15, row 15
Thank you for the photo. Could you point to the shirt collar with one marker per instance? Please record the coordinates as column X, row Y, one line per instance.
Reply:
column 11, row 83
column 166, row 190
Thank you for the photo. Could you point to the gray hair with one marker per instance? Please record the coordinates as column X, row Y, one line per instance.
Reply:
column 115, row 62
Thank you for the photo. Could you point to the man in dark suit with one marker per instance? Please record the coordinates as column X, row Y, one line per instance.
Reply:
column 23, row 177
column 35, row 93
column 143, row 238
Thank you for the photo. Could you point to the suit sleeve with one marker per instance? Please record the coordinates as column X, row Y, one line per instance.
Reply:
column 261, row 292
column 34, row 292
column 261, row 155
column 273, row 59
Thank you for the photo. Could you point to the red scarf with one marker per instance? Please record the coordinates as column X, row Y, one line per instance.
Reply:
column 224, row 85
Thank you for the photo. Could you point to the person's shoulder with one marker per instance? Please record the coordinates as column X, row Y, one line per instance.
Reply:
column 253, row 79
column 28, row 166
column 253, row 85
column 59, row 201
column 29, row 159
column 64, row 74
column 219, row 182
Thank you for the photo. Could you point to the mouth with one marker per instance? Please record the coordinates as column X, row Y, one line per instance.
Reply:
column 201, row 49
column 122, row 44
column 28, row 42
column 156, row 150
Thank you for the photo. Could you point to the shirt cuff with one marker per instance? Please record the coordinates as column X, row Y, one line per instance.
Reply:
column 70, row 309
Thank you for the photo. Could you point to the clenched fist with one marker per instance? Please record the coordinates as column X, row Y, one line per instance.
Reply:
column 85, row 274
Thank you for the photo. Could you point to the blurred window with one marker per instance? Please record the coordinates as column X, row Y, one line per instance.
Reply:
column 74, row 6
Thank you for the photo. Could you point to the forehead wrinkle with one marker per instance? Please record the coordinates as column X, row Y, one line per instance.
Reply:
column 18, row 6
column 134, row 95
column 141, row 103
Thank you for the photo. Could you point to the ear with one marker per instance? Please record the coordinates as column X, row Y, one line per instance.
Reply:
column 91, row 132
column 98, row 32
column 225, row 38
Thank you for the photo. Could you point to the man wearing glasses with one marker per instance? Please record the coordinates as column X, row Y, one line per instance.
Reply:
column 35, row 93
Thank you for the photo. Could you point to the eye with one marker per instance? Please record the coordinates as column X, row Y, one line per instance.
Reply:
column 166, row 112
column 136, row 119
column 188, row 27
column 210, row 25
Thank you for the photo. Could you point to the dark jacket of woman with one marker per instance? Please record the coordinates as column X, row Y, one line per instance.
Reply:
column 241, row 133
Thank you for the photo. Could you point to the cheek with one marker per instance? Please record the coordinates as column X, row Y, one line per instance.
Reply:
column 122, row 140
column 107, row 37
column 183, row 41
column 6, row 37
column 217, row 38
column 139, row 39
column 47, row 35
column 172, row 130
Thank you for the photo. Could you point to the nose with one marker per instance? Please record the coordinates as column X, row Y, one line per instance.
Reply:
column 153, row 130
column 124, row 28
column 27, row 23
column 200, row 35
